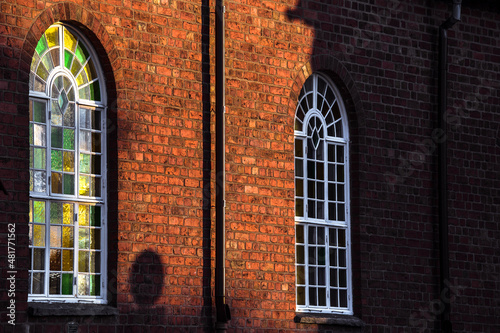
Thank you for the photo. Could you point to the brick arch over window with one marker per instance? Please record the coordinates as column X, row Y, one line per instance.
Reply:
column 338, row 73
column 83, row 20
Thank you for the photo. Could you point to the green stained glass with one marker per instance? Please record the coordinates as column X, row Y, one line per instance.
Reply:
column 56, row 160
column 84, row 92
column 68, row 214
column 47, row 61
column 67, row 233
column 52, row 35
column 55, row 237
column 38, row 259
column 67, row 260
column 39, row 158
column 81, row 53
column 95, row 216
column 41, row 47
column 95, row 239
column 84, row 238
column 42, row 72
column 39, row 211
column 69, row 161
column 95, row 92
column 56, row 182
column 55, row 260
column 69, row 139
column 37, row 112
column 67, row 284
column 95, row 285
column 56, row 137
column 84, row 188
column 69, row 184
column 95, row 262
column 38, row 235
column 55, row 213
column 56, row 114
column 85, row 163
column 83, row 215
column 68, row 58
column 83, row 261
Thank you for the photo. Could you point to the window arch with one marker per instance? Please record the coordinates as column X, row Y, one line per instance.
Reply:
column 323, row 264
column 67, row 216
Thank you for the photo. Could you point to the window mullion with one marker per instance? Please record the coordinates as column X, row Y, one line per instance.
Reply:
column 76, row 248
column 47, row 249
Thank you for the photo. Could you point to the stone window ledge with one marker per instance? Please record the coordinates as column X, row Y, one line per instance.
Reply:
column 39, row 309
column 328, row 319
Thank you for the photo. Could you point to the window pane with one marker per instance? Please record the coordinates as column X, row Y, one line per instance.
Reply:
column 67, row 284
column 301, row 295
column 68, row 264
column 55, row 260
column 301, row 275
column 300, row 234
column 38, row 259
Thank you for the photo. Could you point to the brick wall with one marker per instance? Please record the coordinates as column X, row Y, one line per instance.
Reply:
column 158, row 58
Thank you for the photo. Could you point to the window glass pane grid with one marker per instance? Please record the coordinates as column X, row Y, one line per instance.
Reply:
column 323, row 266
column 55, row 159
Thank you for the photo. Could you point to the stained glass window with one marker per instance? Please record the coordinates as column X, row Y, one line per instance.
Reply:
column 323, row 272
column 67, row 170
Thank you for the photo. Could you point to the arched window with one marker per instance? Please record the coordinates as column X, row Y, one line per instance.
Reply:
column 323, row 264
column 67, row 216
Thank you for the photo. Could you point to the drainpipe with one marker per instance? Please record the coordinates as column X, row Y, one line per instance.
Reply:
column 222, row 309
column 446, row 326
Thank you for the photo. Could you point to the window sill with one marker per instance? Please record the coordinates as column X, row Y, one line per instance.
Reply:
column 39, row 309
column 328, row 319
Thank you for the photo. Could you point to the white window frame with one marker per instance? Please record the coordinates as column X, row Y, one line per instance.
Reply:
column 304, row 223
column 76, row 198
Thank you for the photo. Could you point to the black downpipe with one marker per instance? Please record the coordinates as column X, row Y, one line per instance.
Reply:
column 222, row 309
column 444, row 266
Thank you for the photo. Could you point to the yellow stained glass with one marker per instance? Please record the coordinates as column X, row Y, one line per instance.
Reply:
column 38, row 235
column 52, row 35
column 83, row 216
column 69, row 41
column 67, row 213
column 69, row 161
column 67, row 237
column 90, row 70
column 84, row 185
column 67, row 260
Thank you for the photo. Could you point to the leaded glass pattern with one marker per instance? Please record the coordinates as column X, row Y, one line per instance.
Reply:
column 67, row 178
column 321, row 200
